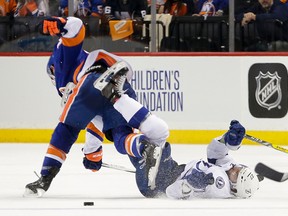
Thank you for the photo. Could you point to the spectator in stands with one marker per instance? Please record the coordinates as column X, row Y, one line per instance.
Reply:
column 125, row 9
column 82, row 8
column 243, row 5
column 132, row 11
column 270, row 19
column 264, row 10
column 28, row 8
column 7, row 7
column 96, row 8
column 159, row 6
column 211, row 7
column 179, row 7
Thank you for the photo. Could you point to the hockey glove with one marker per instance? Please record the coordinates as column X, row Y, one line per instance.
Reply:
column 234, row 135
column 93, row 161
column 199, row 180
column 53, row 26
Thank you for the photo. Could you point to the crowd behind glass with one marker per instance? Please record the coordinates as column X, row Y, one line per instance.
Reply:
column 182, row 25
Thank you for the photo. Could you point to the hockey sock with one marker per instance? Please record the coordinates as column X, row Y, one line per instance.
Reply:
column 133, row 112
column 54, row 158
column 134, row 145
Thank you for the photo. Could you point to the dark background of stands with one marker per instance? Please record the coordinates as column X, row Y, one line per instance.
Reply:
column 186, row 34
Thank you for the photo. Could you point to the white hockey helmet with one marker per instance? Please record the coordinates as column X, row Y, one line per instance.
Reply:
column 247, row 183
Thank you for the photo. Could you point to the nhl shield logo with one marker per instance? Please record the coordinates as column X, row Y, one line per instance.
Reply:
column 268, row 91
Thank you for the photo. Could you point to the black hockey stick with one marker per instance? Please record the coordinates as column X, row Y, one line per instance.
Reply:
column 270, row 173
column 118, row 167
column 265, row 143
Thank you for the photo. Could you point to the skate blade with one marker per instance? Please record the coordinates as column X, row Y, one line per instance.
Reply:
column 103, row 80
column 106, row 77
column 153, row 171
column 30, row 194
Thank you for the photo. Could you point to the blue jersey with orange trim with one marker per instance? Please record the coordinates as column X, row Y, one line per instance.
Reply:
column 85, row 106
column 71, row 63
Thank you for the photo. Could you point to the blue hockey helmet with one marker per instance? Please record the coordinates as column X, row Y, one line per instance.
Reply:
column 50, row 69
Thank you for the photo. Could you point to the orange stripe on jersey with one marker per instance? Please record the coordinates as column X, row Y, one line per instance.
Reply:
column 76, row 40
column 92, row 127
column 71, row 99
column 109, row 59
column 128, row 144
column 76, row 72
column 57, row 152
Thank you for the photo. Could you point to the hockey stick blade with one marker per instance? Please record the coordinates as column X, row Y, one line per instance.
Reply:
column 270, row 173
column 265, row 143
column 118, row 167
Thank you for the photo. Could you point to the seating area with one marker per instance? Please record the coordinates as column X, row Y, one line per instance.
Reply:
column 173, row 34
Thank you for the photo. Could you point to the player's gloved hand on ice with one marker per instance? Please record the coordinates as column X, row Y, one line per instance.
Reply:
column 93, row 161
column 234, row 136
column 53, row 26
column 199, row 180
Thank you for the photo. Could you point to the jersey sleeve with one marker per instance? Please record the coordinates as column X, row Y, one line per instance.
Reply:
column 217, row 154
column 75, row 32
column 180, row 189
column 94, row 136
column 68, row 52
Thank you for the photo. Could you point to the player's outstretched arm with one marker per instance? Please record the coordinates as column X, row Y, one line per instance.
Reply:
column 218, row 149
column 68, row 28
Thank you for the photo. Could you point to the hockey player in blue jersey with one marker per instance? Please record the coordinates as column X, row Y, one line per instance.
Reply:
column 219, row 177
column 91, row 86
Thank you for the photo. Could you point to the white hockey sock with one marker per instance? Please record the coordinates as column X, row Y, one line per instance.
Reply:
column 127, row 106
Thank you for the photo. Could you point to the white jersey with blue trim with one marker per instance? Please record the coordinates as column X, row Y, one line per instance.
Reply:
column 181, row 189
column 217, row 152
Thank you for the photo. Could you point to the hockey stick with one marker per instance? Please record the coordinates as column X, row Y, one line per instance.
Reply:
column 270, row 173
column 265, row 143
column 118, row 167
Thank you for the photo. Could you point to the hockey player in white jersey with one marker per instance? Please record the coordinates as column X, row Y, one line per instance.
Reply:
column 219, row 177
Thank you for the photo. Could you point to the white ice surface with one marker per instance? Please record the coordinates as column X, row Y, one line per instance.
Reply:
column 115, row 193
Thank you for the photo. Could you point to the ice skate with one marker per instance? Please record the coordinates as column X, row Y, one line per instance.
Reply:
column 39, row 187
column 111, row 82
column 152, row 155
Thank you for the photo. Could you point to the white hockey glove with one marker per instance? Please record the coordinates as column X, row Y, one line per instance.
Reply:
column 68, row 90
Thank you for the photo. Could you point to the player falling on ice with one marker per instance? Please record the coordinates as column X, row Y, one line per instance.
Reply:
column 219, row 177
